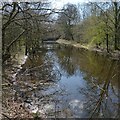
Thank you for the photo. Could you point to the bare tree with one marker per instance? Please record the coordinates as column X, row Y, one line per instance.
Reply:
column 67, row 19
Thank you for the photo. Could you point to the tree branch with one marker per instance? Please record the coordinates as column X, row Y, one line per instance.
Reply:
column 8, row 47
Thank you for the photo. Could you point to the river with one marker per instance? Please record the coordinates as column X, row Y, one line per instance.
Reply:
column 82, row 83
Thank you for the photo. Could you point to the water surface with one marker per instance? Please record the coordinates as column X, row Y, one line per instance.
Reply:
column 84, row 84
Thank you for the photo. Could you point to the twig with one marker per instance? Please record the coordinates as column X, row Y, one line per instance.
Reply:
column 6, row 116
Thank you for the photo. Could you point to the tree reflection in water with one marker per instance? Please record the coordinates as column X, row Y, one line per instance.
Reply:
column 66, row 61
column 68, row 82
column 101, row 75
column 35, row 85
column 102, row 99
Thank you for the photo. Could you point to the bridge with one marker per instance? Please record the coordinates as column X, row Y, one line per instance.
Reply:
column 51, row 40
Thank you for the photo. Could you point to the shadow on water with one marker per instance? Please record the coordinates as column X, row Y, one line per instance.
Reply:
column 69, row 82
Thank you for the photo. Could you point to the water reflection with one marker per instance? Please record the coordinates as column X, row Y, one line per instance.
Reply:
column 101, row 76
column 81, row 83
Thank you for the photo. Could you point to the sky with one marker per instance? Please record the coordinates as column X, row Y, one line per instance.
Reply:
column 60, row 3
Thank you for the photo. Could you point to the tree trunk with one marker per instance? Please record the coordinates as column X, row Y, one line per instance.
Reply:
column 3, row 43
column 116, row 26
column 26, row 49
column 107, row 43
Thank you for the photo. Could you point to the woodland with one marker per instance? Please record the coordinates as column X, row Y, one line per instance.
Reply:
column 27, row 26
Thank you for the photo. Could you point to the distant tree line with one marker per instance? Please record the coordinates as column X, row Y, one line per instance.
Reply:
column 93, row 23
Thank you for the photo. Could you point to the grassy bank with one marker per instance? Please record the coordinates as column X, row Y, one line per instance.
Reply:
column 113, row 54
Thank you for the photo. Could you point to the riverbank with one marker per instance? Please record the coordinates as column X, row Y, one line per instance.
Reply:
column 112, row 54
column 22, row 79
column 12, row 108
